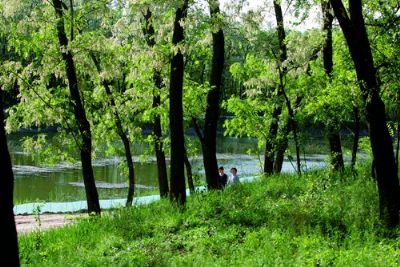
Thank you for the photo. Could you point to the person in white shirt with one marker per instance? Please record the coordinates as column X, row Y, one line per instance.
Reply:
column 234, row 179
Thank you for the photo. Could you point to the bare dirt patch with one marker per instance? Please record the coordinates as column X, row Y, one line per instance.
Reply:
column 28, row 223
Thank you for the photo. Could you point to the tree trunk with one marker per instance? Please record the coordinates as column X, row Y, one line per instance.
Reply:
column 177, row 182
column 189, row 172
column 269, row 152
column 122, row 135
column 336, row 149
column 356, row 136
column 79, row 112
column 270, row 147
column 209, row 144
column 281, row 148
column 9, row 252
column 397, row 145
column 335, row 143
column 382, row 148
column 149, row 33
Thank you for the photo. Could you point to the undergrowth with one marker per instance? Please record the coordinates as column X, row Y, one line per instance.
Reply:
column 318, row 219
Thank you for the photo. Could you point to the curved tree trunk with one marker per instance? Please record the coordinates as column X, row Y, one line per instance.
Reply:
column 9, row 251
column 209, row 144
column 149, row 33
column 79, row 112
column 177, row 182
column 122, row 135
column 354, row 30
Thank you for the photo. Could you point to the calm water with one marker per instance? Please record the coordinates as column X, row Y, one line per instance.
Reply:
column 63, row 181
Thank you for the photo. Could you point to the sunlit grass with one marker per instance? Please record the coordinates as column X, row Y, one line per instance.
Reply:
column 318, row 219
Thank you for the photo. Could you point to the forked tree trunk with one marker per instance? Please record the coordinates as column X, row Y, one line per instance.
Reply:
column 79, row 113
column 177, row 180
column 335, row 143
column 149, row 33
column 9, row 251
column 354, row 30
column 270, row 146
column 282, row 146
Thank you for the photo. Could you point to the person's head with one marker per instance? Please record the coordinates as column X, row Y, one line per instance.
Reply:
column 221, row 170
column 233, row 171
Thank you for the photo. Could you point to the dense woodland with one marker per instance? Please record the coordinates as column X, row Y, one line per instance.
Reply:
column 104, row 70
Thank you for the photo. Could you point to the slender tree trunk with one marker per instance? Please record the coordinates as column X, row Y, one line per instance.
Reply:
column 121, row 133
column 354, row 30
column 149, row 33
column 209, row 145
column 269, row 152
column 177, row 182
column 356, row 137
column 79, row 112
column 293, row 128
column 268, row 164
column 189, row 172
column 335, row 143
column 9, row 251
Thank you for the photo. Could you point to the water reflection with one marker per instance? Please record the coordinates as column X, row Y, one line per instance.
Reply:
column 63, row 182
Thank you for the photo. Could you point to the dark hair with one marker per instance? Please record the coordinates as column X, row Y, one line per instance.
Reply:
column 221, row 168
column 233, row 168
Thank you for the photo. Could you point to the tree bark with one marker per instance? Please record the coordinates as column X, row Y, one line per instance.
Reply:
column 356, row 137
column 189, row 172
column 209, row 144
column 354, row 30
column 9, row 252
column 149, row 33
column 335, row 143
column 79, row 112
column 282, row 145
column 335, row 146
column 270, row 145
column 177, row 181
column 269, row 152
column 122, row 135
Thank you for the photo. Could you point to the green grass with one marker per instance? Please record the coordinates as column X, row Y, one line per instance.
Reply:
column 314, row 220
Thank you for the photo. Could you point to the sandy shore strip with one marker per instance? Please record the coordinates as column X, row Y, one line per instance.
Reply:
column 29, row 223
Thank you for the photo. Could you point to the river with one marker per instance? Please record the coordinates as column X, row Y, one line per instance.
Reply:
column 63, row 183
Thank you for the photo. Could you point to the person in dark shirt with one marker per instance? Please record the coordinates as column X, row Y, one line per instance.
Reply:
column 223, row 178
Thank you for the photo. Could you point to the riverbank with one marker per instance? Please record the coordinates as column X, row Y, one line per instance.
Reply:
column 29, row 223
column 315, row 219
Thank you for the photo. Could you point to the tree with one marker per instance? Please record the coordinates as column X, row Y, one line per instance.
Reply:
column 149, row 33
column 177, row 178
column 121, row 133
column 353, row 27
column 332, row 128
column 9, row 251
column 209, row 137
column 79, row 112
column 281, row 92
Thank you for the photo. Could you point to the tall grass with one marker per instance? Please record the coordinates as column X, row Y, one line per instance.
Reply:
column 317, row 219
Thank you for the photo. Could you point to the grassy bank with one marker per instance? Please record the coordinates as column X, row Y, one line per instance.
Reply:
column 315, row 220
